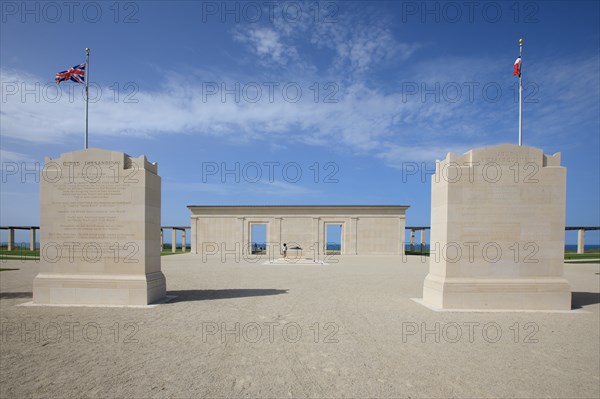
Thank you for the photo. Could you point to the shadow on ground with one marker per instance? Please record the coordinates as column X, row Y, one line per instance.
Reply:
column 580, row 299
column 15, row 295
column 207, row 295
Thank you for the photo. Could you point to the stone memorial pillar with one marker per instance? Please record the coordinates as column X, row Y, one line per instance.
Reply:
column 580, row 241
column 497, row 231
column 99, row 230
column 10, row 243
column 32, row 239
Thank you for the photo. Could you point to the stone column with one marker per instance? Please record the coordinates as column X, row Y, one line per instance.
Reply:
column 498, row 231
column 315, row 238
column 580, row 241
column 423, row 239
column 101, row 210
column 183, row 241
column 274, row 238
column 353, row 236
column 32, row 239
column 243, row 245
column 11, row 239
column 400, row 241
column 162, row 240
column 173, row 240
column 194, row 234
column 412, row 239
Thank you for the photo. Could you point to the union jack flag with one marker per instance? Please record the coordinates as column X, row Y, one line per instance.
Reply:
column 76, row 74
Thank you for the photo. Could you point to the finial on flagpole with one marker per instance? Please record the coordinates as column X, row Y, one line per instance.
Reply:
column 87, row 50
column 520, row 42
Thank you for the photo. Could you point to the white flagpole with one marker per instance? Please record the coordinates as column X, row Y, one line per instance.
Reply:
column 521, row 93
column 87, row 92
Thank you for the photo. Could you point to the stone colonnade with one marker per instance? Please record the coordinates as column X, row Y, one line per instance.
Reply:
column 423, row 232
column 10, row 242
column 174, row 230
column 11, row 245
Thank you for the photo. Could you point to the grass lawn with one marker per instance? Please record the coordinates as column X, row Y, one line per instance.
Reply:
column 589, row 254
column 167, row 250
column 19, row 253
column 569, row 255
column 23, row 253
column 572, row 255
column 417, row 252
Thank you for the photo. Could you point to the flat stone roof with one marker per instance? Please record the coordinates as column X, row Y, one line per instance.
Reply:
column 298, row 206
column 265, row 210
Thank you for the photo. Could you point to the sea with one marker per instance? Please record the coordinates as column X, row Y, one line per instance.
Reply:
column 337, row 247
column 568, row 247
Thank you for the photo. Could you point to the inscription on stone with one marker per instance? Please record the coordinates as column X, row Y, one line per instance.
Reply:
column 100, row 230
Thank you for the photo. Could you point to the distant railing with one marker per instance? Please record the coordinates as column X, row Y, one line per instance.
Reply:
column 10, row 244
column 580, row 236
column 413, row 229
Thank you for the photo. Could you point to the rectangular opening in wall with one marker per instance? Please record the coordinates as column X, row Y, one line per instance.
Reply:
column 258, row 238
column 333, row 238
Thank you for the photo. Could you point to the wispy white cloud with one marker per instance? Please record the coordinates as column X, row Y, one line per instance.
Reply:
column 354, row 42
column 243, row 190
column 15, row 157
column 266, row 43
column 384, row 122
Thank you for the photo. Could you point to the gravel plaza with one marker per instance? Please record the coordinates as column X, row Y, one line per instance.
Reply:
column 344, row 329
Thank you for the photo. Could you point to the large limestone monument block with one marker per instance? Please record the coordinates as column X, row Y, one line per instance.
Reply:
column 100, row 230
column 497, row 231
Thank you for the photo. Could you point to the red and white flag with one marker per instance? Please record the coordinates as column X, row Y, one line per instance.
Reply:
column 517, row 67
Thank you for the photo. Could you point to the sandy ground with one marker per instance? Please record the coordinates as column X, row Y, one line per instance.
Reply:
column 252, row 330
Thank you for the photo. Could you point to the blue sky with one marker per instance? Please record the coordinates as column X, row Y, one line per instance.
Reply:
column 313, row 103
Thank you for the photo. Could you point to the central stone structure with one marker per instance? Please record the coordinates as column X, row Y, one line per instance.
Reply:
column 497, row 231
column 365, row 229
column 100, row 230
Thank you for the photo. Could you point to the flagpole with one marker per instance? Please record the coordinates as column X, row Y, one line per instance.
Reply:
column 521, row 93
column 87, row 92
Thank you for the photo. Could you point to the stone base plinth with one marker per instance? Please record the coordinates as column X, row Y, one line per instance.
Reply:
column 550, row 293
column 77, row 289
